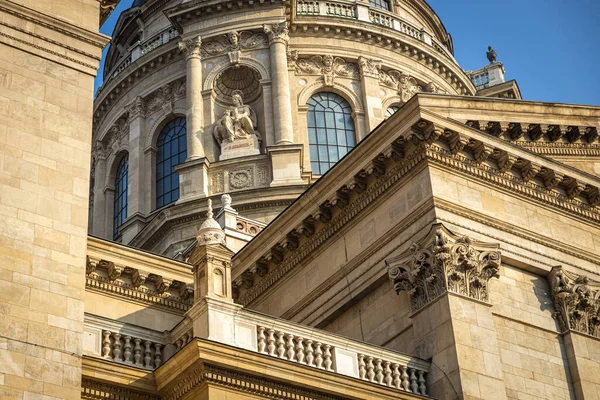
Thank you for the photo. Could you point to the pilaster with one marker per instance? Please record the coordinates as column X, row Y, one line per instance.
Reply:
column 99, row 209
column 369, row 77
column 193, row 179
column 447, row 277
column 577, row 302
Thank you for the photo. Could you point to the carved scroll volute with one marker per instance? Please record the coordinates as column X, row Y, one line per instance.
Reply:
column 277, row 33
column 444, row 262
column 576, row 301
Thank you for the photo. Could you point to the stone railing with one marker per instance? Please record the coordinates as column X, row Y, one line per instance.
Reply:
column 132, row 351
column 480, row 80
column 326, row 353
column 140, row 49
column 368, row 13
column 248, row 226
column 315, row 348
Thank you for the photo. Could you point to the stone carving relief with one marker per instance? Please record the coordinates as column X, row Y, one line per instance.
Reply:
column 369, row 67
column 444, row 262
column 327, row 65
column 138, row 108
column 277, row 33
column 238, row 122
column 244, row 176
column 233, row 42
column 165, row 96
column 241, row 178
column 217, row 184
column 406, row 85
column 191, row 48
column 577, row 302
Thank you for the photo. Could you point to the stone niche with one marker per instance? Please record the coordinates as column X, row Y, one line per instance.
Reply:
column 239, row 112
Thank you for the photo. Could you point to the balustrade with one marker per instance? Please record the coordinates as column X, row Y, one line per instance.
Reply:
column 308, row 8
column 341, row 10
column 398, row 374
column 129, row 350
column 380, row 19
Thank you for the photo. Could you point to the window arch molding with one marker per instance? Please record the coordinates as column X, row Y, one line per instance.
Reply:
column 160, row 121
column 112, row 164
column 331, row 129
column 337, row 88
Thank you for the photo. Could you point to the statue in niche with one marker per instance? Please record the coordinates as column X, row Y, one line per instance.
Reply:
column 238, row 121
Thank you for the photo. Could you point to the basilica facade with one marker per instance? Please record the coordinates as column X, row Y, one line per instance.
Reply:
column 287, row 200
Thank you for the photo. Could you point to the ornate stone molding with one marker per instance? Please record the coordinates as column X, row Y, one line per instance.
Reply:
column 576, row 300
column 233, row 41
column 328, row 66
column 165, row 96
column 406, row 85
column 101, row 391
column 277, row 33
column 369, row 67
column 138, row 108
column 147, row 287
column 191, row 47
column 444, row 262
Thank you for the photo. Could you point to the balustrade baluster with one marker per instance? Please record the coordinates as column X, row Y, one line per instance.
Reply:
column 422, row 387
column 414, row 386
column 379, row 371
column 271, row 342
column 396, row 374
column 117, row 347
column 404, row 376
column 127, row 349
column 106, row 344
column 370, row 369
column 157, row 355
column 318, row 355
column 291, row 354
column 280, row 345
column 310, row 358
column 262, row 340
column 328, row 358
column 300, row 350
column 147, row 354
column 137, row 352
column 362, row 367
column 388, row 373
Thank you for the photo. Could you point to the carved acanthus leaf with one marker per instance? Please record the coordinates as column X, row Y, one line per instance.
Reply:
column 327, row 65
column 444, row 262
column 576, row 300
column 406, row 85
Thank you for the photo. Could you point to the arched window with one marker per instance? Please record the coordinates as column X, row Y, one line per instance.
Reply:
column 172, row 150
column 120, row 209
column 330, row 130
column 383, row 4
column 391, row 110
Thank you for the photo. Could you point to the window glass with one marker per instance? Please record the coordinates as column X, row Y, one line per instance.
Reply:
column 120, row 202
column 331, row 117
column 171, row 152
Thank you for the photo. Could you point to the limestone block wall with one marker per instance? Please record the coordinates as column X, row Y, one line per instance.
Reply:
column 50, row 52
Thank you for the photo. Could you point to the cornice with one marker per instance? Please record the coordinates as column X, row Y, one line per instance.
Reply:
column 20, row 24
column 491, row 160
column 388, row 38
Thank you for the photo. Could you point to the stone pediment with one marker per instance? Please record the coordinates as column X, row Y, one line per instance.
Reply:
column 413, row 138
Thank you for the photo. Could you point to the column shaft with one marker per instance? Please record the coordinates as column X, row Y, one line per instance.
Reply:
column 194, row 120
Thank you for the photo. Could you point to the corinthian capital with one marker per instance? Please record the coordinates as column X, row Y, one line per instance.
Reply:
column 368, row 67
column 191, row 47
column 577, row 302
column 443, row 262
column 277, row 33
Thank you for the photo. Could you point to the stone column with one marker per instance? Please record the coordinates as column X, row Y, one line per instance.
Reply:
column 282, row 109
column 577, row 301
column 136, row 188
column 369, row 76
column 194, row 108
column 447, row 280
column 98, row 211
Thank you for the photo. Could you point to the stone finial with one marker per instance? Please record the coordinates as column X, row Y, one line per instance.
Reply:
column 210, row 232
column 443, row 262
column 576, row 300
column 491, row 55
column 226, row 202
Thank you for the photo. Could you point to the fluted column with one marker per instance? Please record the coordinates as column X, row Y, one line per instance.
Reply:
column 282, row 109
column 194, row 120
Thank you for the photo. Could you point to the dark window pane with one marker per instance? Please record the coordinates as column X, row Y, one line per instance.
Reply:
column 172, row 150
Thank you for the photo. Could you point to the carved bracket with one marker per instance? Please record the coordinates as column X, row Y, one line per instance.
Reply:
column 443, row 262
column 576, row 300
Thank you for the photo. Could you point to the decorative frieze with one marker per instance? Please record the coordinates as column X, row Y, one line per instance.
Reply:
column 443, row 262
column 328, row 66
column 92, row 390
column 576, row 301
column 233, row 41
column 133, row 283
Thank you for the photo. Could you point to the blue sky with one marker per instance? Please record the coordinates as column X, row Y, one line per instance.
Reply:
column 551, row 47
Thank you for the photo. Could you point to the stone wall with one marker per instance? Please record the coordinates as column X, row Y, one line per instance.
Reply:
column 50, row 52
